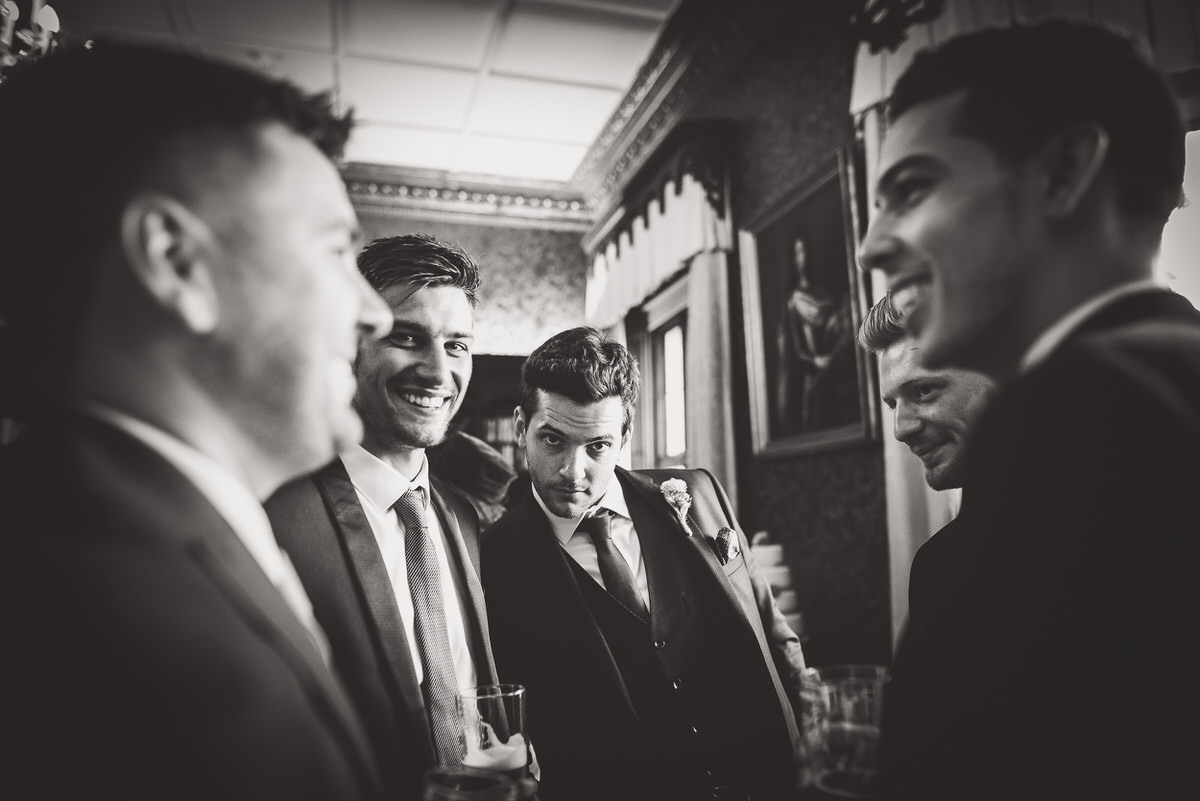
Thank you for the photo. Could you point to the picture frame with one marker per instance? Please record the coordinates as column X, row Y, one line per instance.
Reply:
column 811, row 387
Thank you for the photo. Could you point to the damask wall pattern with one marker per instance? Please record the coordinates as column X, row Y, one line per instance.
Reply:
column 533, row 279
column 790, row 103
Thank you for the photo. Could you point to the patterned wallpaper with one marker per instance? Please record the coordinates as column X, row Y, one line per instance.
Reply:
column 790, row 104
column 533, row 280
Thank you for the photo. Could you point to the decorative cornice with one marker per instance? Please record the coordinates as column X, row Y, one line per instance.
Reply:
column 432, row 196
column 699, row 149
column 702, row 42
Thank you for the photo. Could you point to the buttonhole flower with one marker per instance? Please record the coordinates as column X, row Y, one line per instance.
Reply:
column 675, row 490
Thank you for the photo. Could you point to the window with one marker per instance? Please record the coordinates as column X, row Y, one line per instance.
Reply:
column 658, row 337
column 670, row 388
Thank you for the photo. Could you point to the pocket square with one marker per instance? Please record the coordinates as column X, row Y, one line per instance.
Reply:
column 726, row 545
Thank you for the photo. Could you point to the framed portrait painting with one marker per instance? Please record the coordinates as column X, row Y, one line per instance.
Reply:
column 811, row 387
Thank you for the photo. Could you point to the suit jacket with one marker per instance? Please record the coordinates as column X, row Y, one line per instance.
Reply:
column 733, row 681
column 1054, row 664
column 321, row 525
column 146, row 654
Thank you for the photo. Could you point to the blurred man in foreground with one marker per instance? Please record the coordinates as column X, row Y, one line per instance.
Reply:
column 179, row 274
column 1023, row 187
column 656, row 661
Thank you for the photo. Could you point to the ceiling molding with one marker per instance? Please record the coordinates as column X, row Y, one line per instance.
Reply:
column 701, row 42
column 441, row 197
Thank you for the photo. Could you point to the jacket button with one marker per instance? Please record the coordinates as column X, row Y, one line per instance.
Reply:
column 677, row 684
column 660, row 644
column 695, row 730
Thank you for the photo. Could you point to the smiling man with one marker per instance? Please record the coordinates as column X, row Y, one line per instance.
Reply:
column 1024, row 183
column 933, row 410
column 388, row 554
column 656, row 662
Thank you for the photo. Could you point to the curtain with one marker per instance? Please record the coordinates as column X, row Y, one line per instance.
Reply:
column 709, row 390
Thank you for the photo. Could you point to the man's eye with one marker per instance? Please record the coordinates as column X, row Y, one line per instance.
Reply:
column 925, row 392
column 598, row 448
column 551, row 439
column 458, row 347
column 907, row 190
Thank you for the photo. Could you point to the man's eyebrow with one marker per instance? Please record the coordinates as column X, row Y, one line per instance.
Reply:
column 888, row 179
column 550, row 429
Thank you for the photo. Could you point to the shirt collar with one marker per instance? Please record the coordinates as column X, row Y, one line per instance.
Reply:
column 1056, row 334
column 229, row 496
column 564, row 528
column 379, row 482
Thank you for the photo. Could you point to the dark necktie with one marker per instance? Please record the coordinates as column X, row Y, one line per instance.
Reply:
column 618, row 579
column 424, row 583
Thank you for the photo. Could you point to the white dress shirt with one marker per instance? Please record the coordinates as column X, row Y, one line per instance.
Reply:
column 1054, row 336
column 379, row 486
column 232, row 500
column 579, row 546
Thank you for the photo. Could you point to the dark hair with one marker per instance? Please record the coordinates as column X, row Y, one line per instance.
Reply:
column 584, row 365
column 81, row 133
column 1025, row 84
column 421, row 260
column 882, row 327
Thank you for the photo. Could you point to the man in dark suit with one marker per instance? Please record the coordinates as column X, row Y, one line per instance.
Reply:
column 656, row 662
column 179, row 281
column 934, row 413
column 1023, row 187
column 406, row 642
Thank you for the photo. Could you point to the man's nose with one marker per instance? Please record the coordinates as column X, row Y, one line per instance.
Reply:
column 906, row 425
column 878, row 248
column 574, row 464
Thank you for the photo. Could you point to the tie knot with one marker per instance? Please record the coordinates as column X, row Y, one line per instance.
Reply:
column 410, row 508
column 597, row 525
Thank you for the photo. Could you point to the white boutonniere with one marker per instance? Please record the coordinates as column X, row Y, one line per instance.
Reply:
column 675, row 490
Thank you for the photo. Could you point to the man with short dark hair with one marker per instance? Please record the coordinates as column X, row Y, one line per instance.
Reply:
column 1023, row 187
column 388, row 552
column 179, row 278
column 656, row 662
column 933, row 410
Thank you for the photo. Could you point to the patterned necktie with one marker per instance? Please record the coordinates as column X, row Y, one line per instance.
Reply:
column 424, row 582
column 618, row 579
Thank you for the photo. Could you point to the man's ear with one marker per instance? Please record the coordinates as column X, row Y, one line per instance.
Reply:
column 167, row 248
column 519, row 426
column 1070, row 163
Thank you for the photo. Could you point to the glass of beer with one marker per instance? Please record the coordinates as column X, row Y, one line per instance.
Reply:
column 841, row 710
column 493, row 717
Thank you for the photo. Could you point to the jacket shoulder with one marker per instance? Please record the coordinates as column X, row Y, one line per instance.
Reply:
column 468, row 518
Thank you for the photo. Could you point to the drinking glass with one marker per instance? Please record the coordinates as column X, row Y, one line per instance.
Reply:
column 493, row 717
column 841, row 708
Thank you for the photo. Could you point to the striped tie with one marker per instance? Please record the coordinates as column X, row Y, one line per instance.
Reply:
column 424, row 582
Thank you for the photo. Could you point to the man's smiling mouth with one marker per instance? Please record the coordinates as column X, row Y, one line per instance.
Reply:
column 424, row 401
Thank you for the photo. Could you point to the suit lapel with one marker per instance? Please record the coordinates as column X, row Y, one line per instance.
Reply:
column 176, row 511
column 464, row 555
column 352, row 528
column 659, row 521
